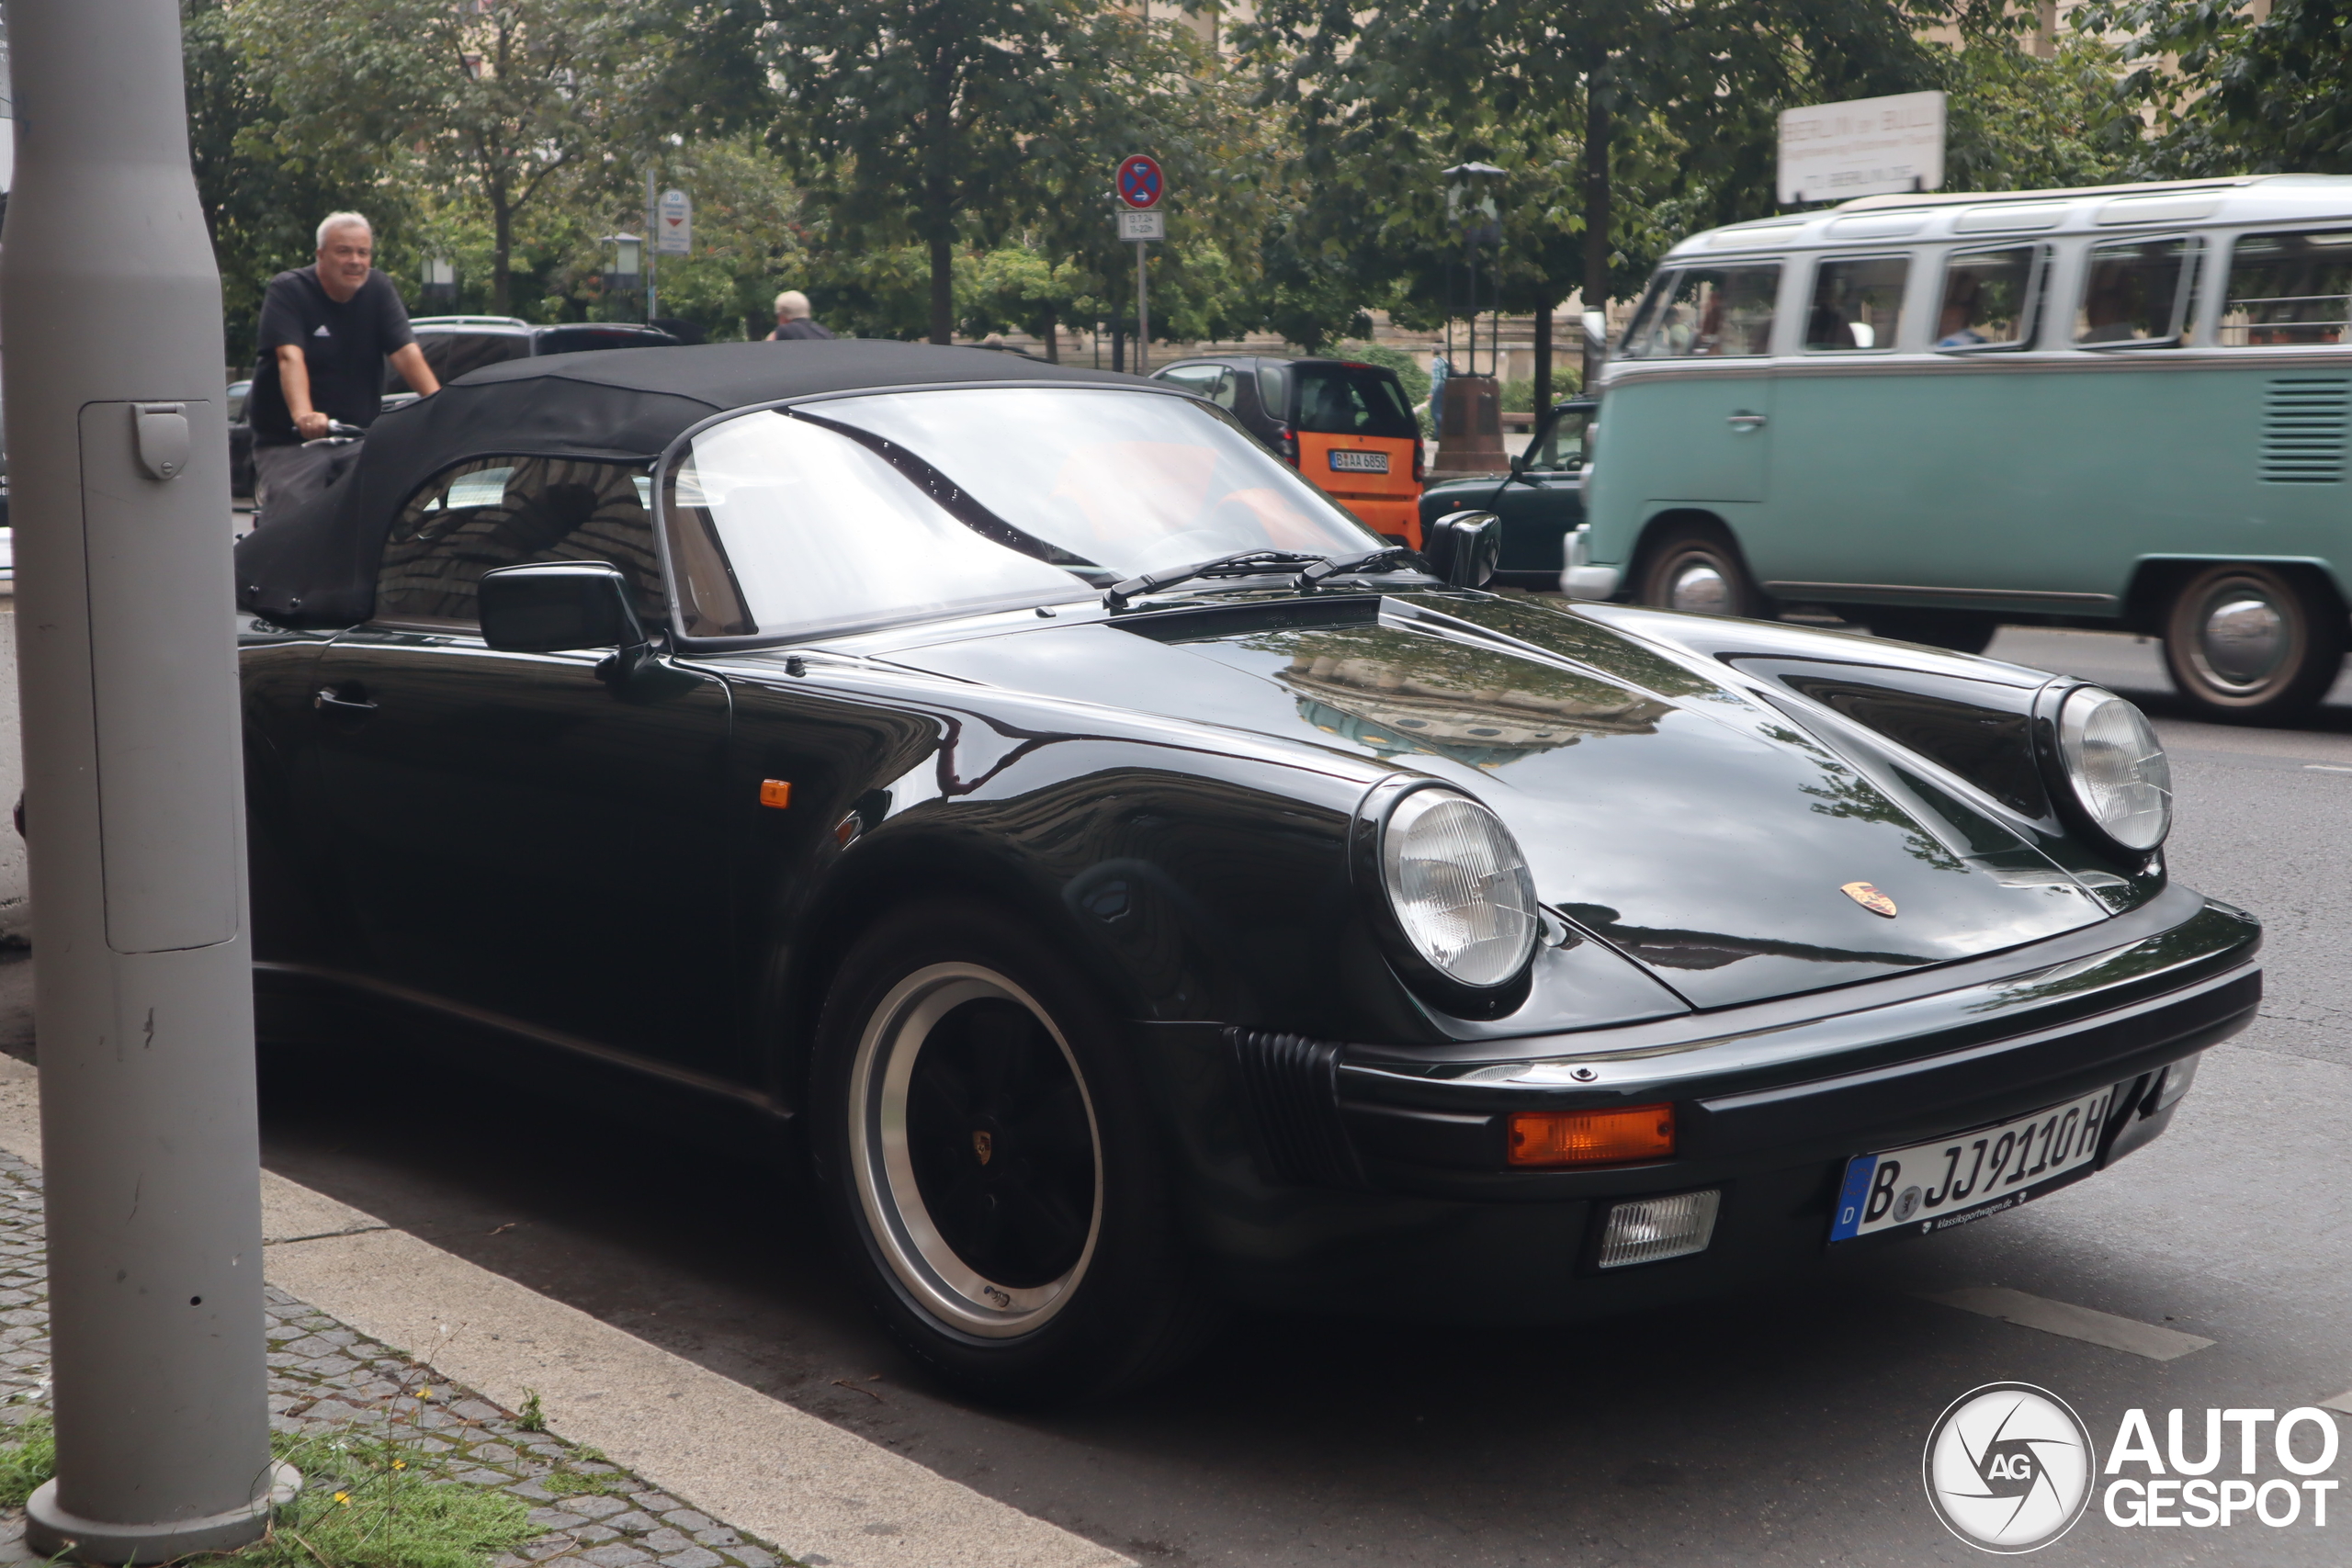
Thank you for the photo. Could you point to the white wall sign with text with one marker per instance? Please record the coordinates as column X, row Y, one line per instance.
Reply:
column 1868, row 147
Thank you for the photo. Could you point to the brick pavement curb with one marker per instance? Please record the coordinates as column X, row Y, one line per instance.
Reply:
column 325, row 1377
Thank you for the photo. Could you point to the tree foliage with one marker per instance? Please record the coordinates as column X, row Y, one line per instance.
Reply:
column 2231, row 93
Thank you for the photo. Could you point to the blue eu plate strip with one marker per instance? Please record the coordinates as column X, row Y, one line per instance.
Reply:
column 1852, row 1196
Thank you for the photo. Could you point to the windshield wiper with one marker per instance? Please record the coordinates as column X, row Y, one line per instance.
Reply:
column 1246, row 563
column 1393, row 557
column 1314, row 570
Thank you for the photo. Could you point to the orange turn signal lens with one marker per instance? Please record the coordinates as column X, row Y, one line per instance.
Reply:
column 1592, row 1137
column 776, row 792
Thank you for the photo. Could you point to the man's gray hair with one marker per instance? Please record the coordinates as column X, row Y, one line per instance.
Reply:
column 792, row 306
column 335, row 220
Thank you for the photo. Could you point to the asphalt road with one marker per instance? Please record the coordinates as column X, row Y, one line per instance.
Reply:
column 1772, row 1430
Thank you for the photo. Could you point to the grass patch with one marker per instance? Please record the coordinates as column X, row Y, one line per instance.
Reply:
column 566, row 1482
column 533, row 1417
column 369, row 1503
column 27, row 1458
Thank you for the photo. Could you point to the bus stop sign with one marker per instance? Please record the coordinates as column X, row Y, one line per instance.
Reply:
column 1140, row 186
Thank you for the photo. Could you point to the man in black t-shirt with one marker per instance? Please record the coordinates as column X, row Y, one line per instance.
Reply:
column 325, row 332
column 792, row 319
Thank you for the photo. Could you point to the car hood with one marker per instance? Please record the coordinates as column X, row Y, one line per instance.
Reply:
column 1704, row 832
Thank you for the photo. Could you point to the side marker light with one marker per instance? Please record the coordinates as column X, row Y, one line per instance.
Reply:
column 776, row 792
column 1592, row 1137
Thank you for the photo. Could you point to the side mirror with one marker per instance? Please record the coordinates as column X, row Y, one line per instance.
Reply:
column 560, row 606
column 1464, row 547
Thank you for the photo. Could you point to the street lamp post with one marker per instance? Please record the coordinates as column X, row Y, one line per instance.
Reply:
column 110, row 307
column 1469, row 419
column 628, row 275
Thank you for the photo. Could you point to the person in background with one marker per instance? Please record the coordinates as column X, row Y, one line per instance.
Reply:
column 326, row 329
column 792, row 321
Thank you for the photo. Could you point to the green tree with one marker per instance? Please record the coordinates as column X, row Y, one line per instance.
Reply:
column 499, row 103
column 1681, row 95
column 917, row 114
column 2232, row 93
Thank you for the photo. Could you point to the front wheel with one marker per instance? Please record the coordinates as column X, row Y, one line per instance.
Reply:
column 2250, row 642
column 989, row 1159
column 1697, row 566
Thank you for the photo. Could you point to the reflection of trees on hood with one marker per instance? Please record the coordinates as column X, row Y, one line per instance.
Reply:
column 1395, row 692
column 1845, row 793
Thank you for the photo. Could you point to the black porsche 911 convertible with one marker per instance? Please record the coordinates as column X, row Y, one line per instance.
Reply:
column 1137, row 887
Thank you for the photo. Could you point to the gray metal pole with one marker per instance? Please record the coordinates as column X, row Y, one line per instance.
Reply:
column 110, row 307
column 652, row 240
column 1143, row 312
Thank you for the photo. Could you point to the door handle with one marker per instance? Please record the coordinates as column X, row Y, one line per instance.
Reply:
column 1743, row 420
column 329, row 701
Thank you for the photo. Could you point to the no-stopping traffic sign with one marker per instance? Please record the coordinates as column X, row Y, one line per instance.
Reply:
column 1140, row 185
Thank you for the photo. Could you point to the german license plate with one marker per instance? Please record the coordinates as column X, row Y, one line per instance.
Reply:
column 1359, row 462
column 1934, row 1186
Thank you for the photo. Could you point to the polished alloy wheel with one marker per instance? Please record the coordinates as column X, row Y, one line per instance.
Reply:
column 975, row 1150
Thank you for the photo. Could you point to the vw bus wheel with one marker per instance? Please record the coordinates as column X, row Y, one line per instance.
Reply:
column 2249, row 642
column 992, row 1166
column 1696, row 567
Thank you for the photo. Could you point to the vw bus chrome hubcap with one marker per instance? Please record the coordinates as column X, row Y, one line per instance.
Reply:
column 2242, row 636
column 1697, row 583
column 975, row 1150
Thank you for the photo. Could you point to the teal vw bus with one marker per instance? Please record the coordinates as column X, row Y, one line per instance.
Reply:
column 2125, row 407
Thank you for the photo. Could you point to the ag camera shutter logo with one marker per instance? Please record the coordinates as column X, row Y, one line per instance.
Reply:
column 2008, row 1467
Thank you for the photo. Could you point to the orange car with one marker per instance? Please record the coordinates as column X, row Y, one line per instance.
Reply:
column 1345, row 424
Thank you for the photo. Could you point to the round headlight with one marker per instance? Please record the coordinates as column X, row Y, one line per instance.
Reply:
column 1460, row 887
column 2116, row 767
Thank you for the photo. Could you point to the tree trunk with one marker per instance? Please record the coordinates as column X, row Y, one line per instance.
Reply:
column 942, row 285
column 502, row 251
column 1053, row 337
column 1598, row 91
column 1542, row 357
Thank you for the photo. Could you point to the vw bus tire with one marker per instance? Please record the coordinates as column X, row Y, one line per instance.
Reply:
column 984, row 1149
column 1697, row 566
column 2253, row 642
column 1958, row 631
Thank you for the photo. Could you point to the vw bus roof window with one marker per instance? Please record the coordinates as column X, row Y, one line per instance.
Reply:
column 1722, row 312
column 2288, row 288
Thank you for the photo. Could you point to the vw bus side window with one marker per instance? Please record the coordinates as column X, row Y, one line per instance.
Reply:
column 1988, row 298
column 2288, row 288
column 1856, row 304
column 1718, row 312
column 2138, row 291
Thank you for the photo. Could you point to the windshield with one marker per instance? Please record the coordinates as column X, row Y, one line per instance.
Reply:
column 860, row 510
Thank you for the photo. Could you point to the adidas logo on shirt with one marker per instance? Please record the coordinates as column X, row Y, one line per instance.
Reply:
column 323, row 332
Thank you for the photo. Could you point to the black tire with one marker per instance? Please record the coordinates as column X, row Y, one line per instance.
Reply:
column 1960, row 631
column 2253, row 642
column 986, row 1149
column 1697, row 566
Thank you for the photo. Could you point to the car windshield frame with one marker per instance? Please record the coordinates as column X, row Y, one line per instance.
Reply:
column 681, row 448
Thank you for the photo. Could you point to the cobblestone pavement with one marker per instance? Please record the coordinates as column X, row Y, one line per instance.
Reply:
column 323, row 1378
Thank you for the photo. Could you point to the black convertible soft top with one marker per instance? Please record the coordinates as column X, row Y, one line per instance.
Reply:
column 316, row 565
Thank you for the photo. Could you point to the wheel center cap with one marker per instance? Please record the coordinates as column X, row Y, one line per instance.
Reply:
column 984, row 1143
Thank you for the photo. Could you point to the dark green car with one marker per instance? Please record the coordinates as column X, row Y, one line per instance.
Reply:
column 1539, row 499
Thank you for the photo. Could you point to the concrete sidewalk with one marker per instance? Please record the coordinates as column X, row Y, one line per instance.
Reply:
column 771, row 1471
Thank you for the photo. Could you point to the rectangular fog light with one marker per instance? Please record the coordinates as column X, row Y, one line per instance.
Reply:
column 1649, row 1229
